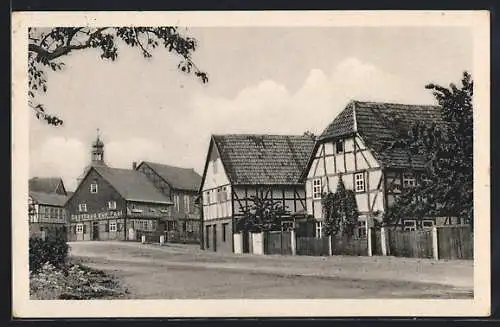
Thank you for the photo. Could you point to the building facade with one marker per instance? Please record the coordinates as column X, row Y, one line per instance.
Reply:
column 354, row 148
column 46, row 204
column 116, row 204
column 181, row 186
column 239, row 168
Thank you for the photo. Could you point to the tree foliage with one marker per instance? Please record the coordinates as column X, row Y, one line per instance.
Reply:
column 47, row 48
column 262, row 214
column 340, row 211
column 445, row 188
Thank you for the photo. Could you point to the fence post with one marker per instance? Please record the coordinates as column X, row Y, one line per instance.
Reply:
column 293, row 242
column 383, row 240
column 330, row 250
column 435, row 244
column 369, row 240
column 162, row 239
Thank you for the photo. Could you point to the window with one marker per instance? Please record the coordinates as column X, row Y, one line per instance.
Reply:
column 319, row 229
column 224, row 194
column 93, row 187
column 317, row 188
column 176, row 202
column 410, row 225
column 79, row 228
column 224, row 229
column 112, row 226
column 359, row 182
column 339, row 146
column 186, row 203
column 361, row 228
column 112, row 205
column 427, row 223
column 409, row 180
column 207, row 235
column 82, row 207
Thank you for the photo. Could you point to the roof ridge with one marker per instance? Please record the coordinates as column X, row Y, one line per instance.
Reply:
column 394, row 103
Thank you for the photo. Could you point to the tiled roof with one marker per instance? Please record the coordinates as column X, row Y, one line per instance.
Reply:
column 179, row 178
column 264, row 159
column 379, row 123
column 132, row 185
column 44, row 184
column 53, row 199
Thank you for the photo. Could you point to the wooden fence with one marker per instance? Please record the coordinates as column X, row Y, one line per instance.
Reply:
column 454, row 242
column 410, row 244
column 313, row 246
column 277, row 242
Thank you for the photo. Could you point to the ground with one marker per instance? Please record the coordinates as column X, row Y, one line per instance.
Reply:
column 177, row 271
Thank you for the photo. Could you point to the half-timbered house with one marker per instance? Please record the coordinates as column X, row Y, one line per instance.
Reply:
column 354, row 147
column 239, row 167
column 46, row 201
column 181, row 186
column 116, row 204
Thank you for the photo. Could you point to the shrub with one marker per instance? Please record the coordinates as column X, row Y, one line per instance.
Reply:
column 53, row 250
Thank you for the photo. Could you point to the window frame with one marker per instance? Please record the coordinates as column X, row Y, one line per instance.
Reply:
column 408, row 227
column 82, row 207
column 317, row 195
column 113, row 226
column 92, row 189
column 186, row 203
column 318, row 229
column 357, row 187
column 408, row 178
column 427, row 221
column 79, row 229
column 112, row 207
column 339, row 150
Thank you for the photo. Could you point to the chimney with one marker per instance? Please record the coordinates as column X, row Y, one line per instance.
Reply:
column 134, row 165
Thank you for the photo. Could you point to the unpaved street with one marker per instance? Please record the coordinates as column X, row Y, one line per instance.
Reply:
column 177, row 271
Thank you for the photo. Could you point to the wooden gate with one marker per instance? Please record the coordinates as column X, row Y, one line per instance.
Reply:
column 278, row 242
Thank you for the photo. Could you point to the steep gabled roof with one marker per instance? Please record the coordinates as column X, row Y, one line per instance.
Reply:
column 46, row 184
column 378, row 124
column 179, row 178
column 264, row 159
column 53, row 199
column 132, row 185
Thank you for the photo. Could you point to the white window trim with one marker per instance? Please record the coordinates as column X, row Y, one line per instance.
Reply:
column 409, row 227
column 343, row 146
column 427, row 221
column 79, row 228
column 94, row 188
column 317, row 194
column 361, row 186
column 82, row 207
column 186, row 203
column 319, row 229
column 112, row 205
column 112, row 226
column 409, row 179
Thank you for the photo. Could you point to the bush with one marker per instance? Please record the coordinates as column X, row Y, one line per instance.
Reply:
column 53, row 250
column 75, row 283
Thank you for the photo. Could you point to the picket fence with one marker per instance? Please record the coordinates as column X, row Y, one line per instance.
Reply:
column 454, row 242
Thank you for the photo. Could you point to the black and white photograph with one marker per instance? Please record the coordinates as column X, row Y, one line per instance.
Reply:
column 327, row 163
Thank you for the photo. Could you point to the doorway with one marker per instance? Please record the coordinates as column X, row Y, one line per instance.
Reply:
column 95, row 230
column 215, row 237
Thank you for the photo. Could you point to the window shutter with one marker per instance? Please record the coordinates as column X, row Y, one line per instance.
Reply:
column 106, row 227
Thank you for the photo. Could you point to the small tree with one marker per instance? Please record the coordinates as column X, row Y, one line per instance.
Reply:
column 262, row 215
column 340, row 211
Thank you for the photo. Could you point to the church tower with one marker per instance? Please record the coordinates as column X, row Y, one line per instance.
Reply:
column 97, row 153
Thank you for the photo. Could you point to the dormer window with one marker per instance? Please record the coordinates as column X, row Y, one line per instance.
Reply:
column 93, row 187
column 339, row 146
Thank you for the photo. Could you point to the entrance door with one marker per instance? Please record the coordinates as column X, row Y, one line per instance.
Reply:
column 95, row 231
column 215, row 237
column 246, row 241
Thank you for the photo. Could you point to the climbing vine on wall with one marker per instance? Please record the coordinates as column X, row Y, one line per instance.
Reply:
column 340, row 211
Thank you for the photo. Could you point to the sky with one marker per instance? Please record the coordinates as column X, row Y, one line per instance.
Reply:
column 273, row 80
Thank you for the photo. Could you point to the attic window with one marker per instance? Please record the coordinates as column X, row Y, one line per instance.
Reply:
column 339, row 146
column 93, row 187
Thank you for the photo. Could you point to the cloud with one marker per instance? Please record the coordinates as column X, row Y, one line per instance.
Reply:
column 181, row 137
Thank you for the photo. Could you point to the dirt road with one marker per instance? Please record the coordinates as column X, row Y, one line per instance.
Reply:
column 184, row 271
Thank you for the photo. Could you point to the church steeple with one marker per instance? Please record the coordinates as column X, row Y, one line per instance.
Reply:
column 98, row 151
